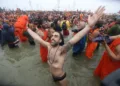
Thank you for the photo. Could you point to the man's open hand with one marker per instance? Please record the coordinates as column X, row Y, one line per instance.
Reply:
column 95, row 17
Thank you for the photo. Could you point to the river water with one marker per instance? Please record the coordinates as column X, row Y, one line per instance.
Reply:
column 23, row 67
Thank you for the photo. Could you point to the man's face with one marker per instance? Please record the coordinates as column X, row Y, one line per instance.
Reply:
column 44, row 25
column 80, row 25
column 58, row 22
column 50, row 17
column 50, row 32
column 55, row 39
column 75, row 21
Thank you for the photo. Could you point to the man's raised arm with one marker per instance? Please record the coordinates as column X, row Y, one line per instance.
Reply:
column 114, row 37
column 91, row 22
column 39, row 32
column 38, row 38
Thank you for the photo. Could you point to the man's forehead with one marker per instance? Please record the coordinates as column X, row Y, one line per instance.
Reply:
column 56, row 33
column 51, row 29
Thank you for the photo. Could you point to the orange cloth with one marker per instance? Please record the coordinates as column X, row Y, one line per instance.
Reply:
column 44, row 50
column 107, row 65
column 20, row 27
column 91, row 47
column 21, row 22
column 81, row 16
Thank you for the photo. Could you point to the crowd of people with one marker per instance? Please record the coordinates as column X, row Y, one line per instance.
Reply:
column 50, row 27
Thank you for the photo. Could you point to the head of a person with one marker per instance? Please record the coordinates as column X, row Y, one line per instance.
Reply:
column 6, row 27
column 80, row 25
column 11, row 22
column 50, row 17
column 51, row 30
column 115, row 30
column 75, row 20
column 57, row 39
column 38, row 22
column 65, row 18
column 58, row 22
column 44, row 25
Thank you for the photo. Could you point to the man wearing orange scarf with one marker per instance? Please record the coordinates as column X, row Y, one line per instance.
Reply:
column 110, row 60
column 91, row 46
column 45, row 35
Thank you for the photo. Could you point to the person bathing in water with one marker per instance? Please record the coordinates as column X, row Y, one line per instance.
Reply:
column 57, row 50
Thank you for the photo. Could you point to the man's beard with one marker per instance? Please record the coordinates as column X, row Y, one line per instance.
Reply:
column 54, row 44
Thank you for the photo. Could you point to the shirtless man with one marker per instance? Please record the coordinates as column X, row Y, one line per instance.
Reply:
column 57, row 52
column 46, row 36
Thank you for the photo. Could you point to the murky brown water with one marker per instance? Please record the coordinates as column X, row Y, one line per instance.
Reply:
column 22, row 66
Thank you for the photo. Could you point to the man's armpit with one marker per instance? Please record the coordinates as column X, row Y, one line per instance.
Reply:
column 67, row 47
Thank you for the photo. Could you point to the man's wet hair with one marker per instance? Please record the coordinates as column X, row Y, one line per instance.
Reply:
column 37, row 21
column 55, row 24
column 61, row 37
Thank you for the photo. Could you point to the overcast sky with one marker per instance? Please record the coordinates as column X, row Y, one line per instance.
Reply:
column 112, row 6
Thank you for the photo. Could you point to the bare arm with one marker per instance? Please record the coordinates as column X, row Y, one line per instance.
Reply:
column 79, row 35
column 114, row 37
column 111, row 54
column 75, row 39
column 39, row 32
column 38, row 38
column 91, row 22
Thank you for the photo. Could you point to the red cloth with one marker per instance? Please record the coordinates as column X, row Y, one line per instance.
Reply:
column 1, row 27
column 44, row 50
column 91, row 46
column 21, row 22
column 107, row 65
column 20, row 27
column 66, row 32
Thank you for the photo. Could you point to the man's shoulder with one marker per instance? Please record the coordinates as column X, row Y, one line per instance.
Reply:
column 118, row 48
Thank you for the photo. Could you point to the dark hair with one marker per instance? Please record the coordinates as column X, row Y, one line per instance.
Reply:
column 61, row 37
column 55, row 21
column 73, row 19
column 53, row 25
column 115, row 30
column 65, row 17
column 38, row 22
column 99, row 24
